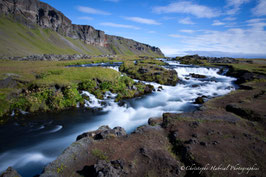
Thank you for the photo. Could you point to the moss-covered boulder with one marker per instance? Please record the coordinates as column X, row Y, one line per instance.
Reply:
column 150, row 72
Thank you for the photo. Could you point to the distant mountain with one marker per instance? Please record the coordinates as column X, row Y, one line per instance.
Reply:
column 34, row 27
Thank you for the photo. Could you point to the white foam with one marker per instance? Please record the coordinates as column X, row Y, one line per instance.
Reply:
column 56, row 129
column 93, row 102
column 185, row 71
column 116, row 68
column 170, row 99
column 17, row 160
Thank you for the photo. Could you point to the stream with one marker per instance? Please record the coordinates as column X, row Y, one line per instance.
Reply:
column 32, row 142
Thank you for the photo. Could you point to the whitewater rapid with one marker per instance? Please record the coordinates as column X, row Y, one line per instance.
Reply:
column 31, row 145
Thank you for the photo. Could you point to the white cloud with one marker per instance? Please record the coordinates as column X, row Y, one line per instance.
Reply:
column 142, row 20
column 251, row 40
column 229, row 19
column 176, row 36
column 119, row 25
column 186, row 21
column 152, row 32
column 187, row 7
column 172, row 51
column 217, row 23
column 168, row 18
column 187, row 31
column 260, row 9
column 234, row 6
column 90, row 10
column 256, row 20
column 85, row 18
column 257, row 24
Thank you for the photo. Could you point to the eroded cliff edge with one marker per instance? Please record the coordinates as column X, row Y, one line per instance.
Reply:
column 34, row 14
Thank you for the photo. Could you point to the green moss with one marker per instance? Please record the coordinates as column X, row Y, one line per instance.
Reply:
column 148, row 71
column 99, row 154
column 60, row 169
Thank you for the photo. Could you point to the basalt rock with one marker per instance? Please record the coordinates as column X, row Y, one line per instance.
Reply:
column 199, row 100
column 34, row 13
column 197, row 75
column 10, row 172
column 148, row 89
column 103, row 132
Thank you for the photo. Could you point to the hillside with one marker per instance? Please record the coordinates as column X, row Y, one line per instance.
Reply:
column 33, row 27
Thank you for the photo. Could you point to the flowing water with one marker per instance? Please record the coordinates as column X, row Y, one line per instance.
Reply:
column 29, row 144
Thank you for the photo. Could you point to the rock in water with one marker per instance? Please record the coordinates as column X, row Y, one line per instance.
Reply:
column 10, row 172
column 197, row 75
column 199, row 100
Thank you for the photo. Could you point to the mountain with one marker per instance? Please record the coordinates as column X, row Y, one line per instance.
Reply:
column 34, row 27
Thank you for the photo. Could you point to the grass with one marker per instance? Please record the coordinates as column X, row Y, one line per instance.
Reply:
column 149, row 70
column 51, row 86
column 254, row 67
column 16, row 39
column 99, row 154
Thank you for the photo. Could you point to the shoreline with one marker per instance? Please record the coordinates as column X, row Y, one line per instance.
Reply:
column 155, row 127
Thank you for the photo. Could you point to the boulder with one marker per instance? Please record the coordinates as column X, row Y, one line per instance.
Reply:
column 197, row 75
column 160, row 88
column 199, row 100
column 103, row 132
column 109, row 169
column 10, row 172
column 155, row 121
column 148, row 89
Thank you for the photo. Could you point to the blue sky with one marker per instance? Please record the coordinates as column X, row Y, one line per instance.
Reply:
column 234, row 28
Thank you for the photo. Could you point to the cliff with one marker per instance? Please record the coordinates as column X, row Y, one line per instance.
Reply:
column 34, row 14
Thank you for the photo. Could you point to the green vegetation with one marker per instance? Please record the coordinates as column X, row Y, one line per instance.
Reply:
column 17, row 39
column 51, row 86
column 189, row 60
column 99, row 154
column 149, row 70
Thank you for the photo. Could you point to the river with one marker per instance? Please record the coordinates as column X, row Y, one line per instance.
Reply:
column 32, row 142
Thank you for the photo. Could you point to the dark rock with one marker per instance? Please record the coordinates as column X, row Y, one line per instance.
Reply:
column 148, row 89
column 109, row 169
column 215, row 142
column 192, row 141
column 194, row 124
column 194, row 135
column 10, row 172
column 103, row 132
column 144, row 152
column 210, row 132
column 121, row 103
column 199, row 100
column 194, row 86
column 197, row 75
column 203, row 144
column 8, row 83
column 160, row 88
column 154, row 121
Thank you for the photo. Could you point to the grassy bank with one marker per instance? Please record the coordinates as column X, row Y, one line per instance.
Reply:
column 151, row 71
column 50, row 86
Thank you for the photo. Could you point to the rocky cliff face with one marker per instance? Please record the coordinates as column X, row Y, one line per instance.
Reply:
column 34, row 12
